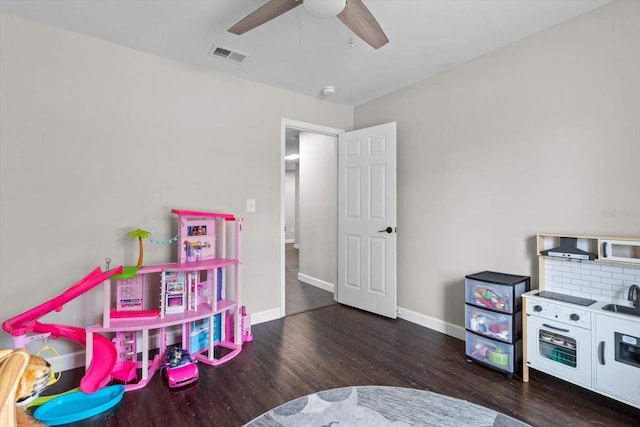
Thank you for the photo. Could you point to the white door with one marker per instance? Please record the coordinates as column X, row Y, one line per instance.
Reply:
column 367, row 219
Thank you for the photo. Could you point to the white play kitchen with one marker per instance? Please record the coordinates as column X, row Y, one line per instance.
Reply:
column 583, row 322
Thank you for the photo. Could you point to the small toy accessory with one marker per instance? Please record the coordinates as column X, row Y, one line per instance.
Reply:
column 179, row 369
column 141, row 235
column 163, row 241
column 54, row 361
column 78, row 405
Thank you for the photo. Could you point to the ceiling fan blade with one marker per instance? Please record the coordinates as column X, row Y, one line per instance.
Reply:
column 267, row 12
column 359, row 19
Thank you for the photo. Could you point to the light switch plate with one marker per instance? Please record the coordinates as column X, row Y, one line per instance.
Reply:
column 251, row 205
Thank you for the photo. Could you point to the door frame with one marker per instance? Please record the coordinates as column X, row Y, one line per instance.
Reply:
column 303, row 127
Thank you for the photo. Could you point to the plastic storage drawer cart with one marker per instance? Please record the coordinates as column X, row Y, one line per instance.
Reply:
column 493, row 319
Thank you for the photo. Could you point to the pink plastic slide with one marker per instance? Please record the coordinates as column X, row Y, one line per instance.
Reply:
column 104, row 352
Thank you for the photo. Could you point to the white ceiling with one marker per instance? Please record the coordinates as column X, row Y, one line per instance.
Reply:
column 303, row 54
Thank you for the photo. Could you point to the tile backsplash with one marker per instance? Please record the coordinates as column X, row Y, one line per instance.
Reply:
column 597, row 280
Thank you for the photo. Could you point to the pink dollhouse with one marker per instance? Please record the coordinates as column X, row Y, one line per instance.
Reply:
column 199, row 295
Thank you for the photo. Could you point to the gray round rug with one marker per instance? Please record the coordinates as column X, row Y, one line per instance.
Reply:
column 381, row 406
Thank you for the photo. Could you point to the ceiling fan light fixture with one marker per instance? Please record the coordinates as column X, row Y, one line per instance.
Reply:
column 354, row 15
column 324, row 8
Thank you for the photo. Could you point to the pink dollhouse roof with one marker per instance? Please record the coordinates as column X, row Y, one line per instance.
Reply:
column 225, row 216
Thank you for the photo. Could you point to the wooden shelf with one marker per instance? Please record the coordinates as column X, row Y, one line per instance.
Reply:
column 606, row 249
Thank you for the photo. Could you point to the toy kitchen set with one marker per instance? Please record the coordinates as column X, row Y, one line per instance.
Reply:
column 583, row 323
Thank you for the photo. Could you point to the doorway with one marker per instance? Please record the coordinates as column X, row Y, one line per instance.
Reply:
column 311, row 292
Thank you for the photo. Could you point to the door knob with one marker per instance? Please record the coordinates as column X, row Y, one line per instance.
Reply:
column 388, row 230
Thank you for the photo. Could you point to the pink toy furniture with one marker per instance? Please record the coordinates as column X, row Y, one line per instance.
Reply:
column 192, row 291
column 202, row 288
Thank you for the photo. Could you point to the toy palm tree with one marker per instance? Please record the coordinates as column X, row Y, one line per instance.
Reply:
column 140, row 235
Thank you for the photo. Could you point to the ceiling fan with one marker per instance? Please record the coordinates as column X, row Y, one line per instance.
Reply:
column 353, row 13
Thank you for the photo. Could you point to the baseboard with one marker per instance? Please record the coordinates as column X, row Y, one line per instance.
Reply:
column 289, row 240
column 438, row 325
column 265, row 316
column 67, row 361
column 316, row 282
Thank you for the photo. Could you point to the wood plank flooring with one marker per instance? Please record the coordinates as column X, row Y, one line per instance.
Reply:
column 301, row 296
column 338, row 346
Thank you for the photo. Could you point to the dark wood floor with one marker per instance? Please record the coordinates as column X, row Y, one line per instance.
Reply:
column 338, row 346
column 301, row 296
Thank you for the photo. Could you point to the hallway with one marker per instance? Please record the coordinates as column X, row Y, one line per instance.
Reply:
column 301, row 296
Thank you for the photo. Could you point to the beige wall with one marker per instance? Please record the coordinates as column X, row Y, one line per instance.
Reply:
column 318, row 204
column 541, row 136
column 290, row 217
column 97, row 139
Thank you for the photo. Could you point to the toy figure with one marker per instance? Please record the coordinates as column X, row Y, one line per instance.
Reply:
column 177, row 356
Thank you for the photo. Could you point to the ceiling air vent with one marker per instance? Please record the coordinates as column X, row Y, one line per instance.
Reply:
column 228, row 54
